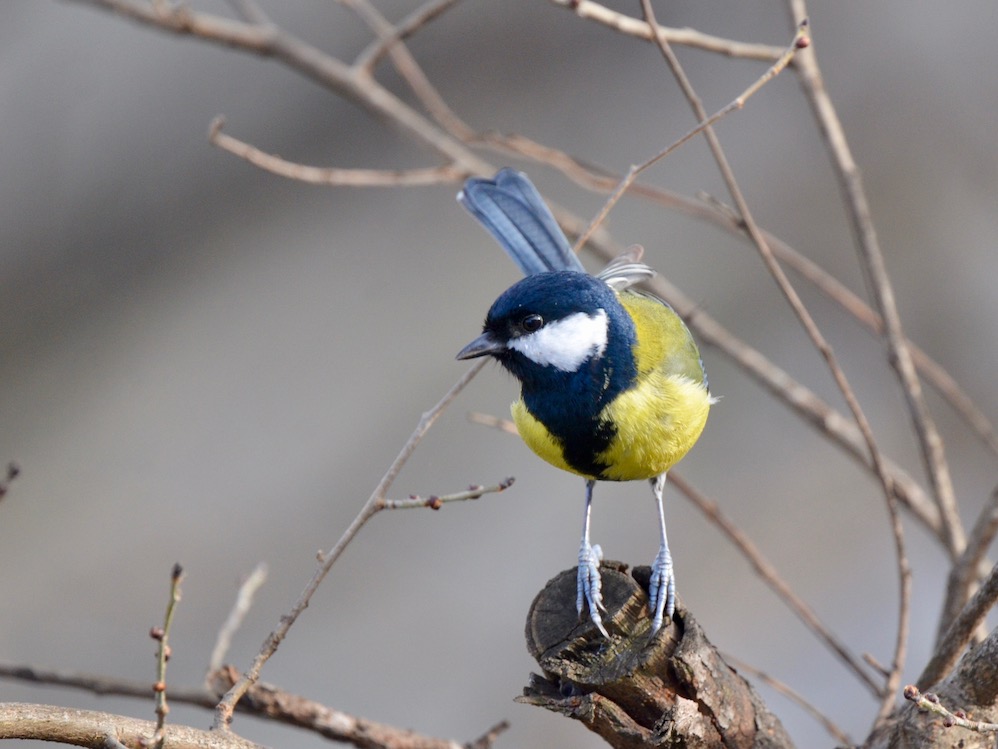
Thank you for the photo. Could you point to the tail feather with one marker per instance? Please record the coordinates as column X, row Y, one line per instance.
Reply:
column 512, row 210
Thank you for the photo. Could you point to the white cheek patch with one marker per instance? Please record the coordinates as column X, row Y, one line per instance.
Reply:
column 566, row 343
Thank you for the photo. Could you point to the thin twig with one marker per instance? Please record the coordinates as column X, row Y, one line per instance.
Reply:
column 410, row 70
column 264, row 700
column 435, row 502
column 801, row 42
column 714, row 212
column 838, row 292
column 960, row 632
column 791, row 694
column 371, row 55
column 329, row 176
column 225, row 708
column 637, row 28
column 102, row 685
column 737, row 103
column 162, row 635
column 879, row 283
column 768, row 574
column 295, row 710
column 930, row 703
column 241, row 607
column 803, row 401
column 494, row 422
column 270, row 40
column 487, row 739
column 965, row 573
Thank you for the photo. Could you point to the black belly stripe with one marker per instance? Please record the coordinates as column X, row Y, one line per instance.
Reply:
column 582, row 440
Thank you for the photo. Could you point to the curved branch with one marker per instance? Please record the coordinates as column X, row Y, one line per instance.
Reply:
column 267, row 39
column 329, row 176
column 90, row 728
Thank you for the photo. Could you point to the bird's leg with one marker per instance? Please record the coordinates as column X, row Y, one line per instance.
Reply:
column 588, row 575
column 662, row 588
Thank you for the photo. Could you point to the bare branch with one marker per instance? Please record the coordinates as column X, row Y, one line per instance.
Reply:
column 286, row 707
column 930, row 703
column 965, row 573
column 875, row 270
column 262, row 700
column 88, row 728
column 409, row 69
column 225, row 708
column 805, row 402
column 369, row 58
column 269, row 40
column 777, row 584
column 787, row 691
column 799, row 41
column 330, row 177
column 103, row 685
column 435, row 502
column 241, row 607
column 162, row 636
column 838, row 292
column 813, row 332
column 960, row 632
column 714, row 212
column 637, row 28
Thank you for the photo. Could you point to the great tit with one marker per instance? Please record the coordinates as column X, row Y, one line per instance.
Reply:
column 612, row 384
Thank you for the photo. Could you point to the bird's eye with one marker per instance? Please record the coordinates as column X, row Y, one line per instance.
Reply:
column 531, row 323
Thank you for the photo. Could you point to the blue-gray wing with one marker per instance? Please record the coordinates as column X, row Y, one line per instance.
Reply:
column 512, row 210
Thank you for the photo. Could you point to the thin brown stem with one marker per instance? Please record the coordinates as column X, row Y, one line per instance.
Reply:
column 375, row 503
column 737, row 103
column 162, row 636
column 270, row 40
column 241, row 607
column 879, row 283
column 960, row 632
column 816, row 336
column 830, row 726
column 620, row 22
column 768, row 574
column 329, row 176
column 409, row 69
column 369, row 58
column 803, row 401
column 714, row 212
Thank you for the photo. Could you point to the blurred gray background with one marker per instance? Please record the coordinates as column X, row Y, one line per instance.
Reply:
column 204, row 363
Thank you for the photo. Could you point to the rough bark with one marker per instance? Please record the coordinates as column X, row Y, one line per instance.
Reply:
column 635, row 690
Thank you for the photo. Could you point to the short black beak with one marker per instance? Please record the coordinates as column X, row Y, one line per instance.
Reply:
column 484, row 345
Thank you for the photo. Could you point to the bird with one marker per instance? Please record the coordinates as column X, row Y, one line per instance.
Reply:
column 612, row 385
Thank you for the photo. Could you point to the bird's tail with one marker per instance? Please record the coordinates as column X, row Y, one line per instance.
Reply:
column 512, row 210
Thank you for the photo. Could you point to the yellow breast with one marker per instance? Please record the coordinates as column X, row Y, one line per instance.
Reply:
column 657, row 423
column 663, row 415
column 658, row 419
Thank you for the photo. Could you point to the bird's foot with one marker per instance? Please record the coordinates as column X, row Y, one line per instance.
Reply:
column 589, row 584
column 662, row 589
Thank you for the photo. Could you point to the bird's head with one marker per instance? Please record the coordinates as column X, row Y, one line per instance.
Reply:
column 549, row 325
